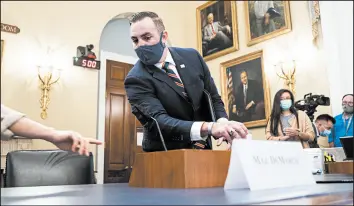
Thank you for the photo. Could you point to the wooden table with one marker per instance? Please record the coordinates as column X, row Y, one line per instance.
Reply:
column 345, row 167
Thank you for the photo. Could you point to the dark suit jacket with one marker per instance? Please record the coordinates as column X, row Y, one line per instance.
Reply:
column 152, row 93
column 254, row 93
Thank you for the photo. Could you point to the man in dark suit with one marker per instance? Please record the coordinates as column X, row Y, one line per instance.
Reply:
column 167, row 84
column 249, row 95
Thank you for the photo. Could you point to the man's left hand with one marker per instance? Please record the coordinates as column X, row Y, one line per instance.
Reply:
column 238, row 126
column 69, row 140
column 249, row 105
column 228, row 29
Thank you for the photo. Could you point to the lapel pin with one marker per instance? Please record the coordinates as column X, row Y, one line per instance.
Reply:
column 182, row 66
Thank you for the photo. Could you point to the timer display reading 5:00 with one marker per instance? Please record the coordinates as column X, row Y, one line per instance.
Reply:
column 88, row 63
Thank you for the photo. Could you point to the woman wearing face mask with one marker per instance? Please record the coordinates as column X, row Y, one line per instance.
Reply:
column 286, row 123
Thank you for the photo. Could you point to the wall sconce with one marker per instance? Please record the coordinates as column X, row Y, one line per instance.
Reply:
column 45, row 75
column 288, row 76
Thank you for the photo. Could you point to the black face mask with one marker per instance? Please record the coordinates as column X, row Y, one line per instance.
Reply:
column 151, row 54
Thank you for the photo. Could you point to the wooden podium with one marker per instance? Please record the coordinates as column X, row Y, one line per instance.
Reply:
column 185, row 168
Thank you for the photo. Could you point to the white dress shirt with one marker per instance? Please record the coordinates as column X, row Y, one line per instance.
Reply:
column 196, row 126
column 245, row 86
column 261, row 7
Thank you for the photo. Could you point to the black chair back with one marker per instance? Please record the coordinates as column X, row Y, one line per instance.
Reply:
column 28, row 168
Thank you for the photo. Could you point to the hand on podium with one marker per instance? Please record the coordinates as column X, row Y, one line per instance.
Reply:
column 228, row 130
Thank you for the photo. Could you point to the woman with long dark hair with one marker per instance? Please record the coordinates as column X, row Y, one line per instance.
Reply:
column 286, row 123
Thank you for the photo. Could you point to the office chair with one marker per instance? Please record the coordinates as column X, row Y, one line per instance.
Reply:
column 28, row 168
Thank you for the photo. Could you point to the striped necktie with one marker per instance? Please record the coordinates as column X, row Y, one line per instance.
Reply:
column 174, row 77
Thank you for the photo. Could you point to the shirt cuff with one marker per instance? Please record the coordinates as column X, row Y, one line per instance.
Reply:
column 195, row 131
column 222, row 119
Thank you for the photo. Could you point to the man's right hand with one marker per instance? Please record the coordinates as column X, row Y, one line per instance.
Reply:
column 212, row 37
column 229, row 130
column 266, row 18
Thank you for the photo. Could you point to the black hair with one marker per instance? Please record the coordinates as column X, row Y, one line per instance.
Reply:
column 276, row 111
column 148, row 14
column 326, row 117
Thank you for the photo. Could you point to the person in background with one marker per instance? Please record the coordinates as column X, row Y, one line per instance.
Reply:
column 14, row 123
column 322, row 127
column 286, row 123
column 344, row 124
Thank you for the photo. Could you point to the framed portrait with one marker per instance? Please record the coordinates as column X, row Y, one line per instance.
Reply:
column 217, row 29
column 245, row 90
column 266, row 20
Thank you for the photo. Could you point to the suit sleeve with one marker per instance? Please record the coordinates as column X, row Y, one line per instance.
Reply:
column 210, row 86
column 145, row 104
column 259, row 91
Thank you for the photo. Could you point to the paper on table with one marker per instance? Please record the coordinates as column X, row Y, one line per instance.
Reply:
column 267, row 164
column 238, row 178
column 139, row 138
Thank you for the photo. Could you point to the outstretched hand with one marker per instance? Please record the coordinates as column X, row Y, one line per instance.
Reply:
column 73, row 141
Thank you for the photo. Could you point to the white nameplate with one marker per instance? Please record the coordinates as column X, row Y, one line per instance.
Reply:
column 258, row 165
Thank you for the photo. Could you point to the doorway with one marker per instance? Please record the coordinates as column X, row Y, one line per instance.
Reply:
column 120, row 140
column 115, row 45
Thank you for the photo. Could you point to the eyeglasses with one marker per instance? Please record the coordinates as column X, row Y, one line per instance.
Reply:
column 347, row 103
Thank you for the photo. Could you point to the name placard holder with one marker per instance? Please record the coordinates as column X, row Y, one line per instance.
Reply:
column 261, row 165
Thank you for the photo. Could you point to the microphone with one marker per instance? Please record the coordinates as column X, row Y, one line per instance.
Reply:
column 161, row 137
column 142, row 115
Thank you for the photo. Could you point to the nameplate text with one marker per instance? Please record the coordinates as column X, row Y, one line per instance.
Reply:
column 257, row 165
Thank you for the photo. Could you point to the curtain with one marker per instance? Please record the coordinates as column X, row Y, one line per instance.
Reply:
column 315, row 15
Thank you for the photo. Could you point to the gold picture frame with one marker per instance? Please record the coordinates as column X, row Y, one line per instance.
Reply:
column 226, row 36
column 2, row 48
column 233, row 74
column 280, row 24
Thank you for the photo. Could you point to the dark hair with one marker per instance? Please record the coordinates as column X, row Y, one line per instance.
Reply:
column 148, row 14
column 244, row 71
column 276, row 111
column 326, row 117
column 346, row 95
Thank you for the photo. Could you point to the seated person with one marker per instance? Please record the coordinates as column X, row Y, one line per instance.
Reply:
column 344, row 124
column 215, row 35
column 14, row 123
column 322, row 127
column 288, row 124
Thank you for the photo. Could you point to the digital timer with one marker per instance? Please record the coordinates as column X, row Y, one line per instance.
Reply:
column 87, row 63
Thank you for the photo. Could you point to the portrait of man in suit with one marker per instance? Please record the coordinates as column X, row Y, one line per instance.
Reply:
column 216, row 23
column 266, row 18
column 246, row 95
